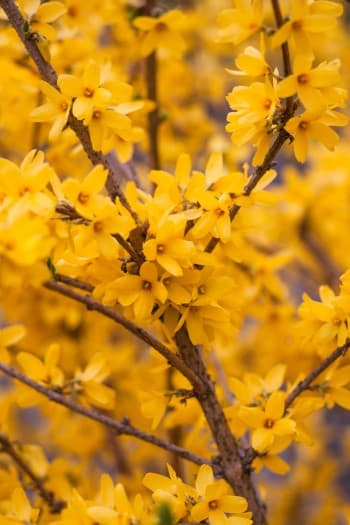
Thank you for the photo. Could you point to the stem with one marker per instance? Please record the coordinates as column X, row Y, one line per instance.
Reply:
column 120, row 427
column 151, row 75
column 305, row 383
column 153, row 117
column 91, row 304
column 254, row 179
column 55, row 505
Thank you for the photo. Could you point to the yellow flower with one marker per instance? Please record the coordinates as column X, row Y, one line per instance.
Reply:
column 10, row 336
column 314, row 124
column 40, row 16
column 20, row 510
column 254, row 387
column 84, row 195
column 170, row 490
column 335, row 387
column 308, row 83
column 89, row 382
column 215, row 500
column 252, row 118
column 268, row 423
column 238, row 24
column 169, row 248
column 56, row 109
column 46, row 371
column 153, row 406
column 96, row 238
column 142, row 291
column 270, row 460
column 325, row 322
column 252, row 61
column 305, row 18
column 87, row 91
column 26, row 185
column 162, row 33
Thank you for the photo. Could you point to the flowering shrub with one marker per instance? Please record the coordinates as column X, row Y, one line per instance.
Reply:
column 175, row 293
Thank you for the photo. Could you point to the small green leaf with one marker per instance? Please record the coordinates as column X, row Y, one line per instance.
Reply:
column 51, row 268
column 164, row 515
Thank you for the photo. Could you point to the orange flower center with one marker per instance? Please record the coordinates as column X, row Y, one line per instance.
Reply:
column 24, row 190
column 269, row 423
column 219, row 212
column 213, row 504
column 303, row 125
column 64, row 106
column 98, row 226
column 160, row 26
column 146, row 285
column 267, row 103
column 160, row 248
column 303, row 78
column 297, row 25
column 83, row 197
column 202, row 289
column 88, row 92
column 96, row 114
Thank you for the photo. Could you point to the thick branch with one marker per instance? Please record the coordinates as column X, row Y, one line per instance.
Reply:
column 92, row 304
column 47, row 72
column 310, row 378
column 120, row 427
column 48, row 496
column 229, row 455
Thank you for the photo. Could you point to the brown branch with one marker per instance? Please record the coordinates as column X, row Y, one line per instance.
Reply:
column 330, row 270
column 310, row 378
column 55, row 505
column 151, row 76
column 153, row 117
column 70, row 281
column 230, row 460
column 285, row 54
column 92, row 304
column 260, row 171
column 122, row 427
column 48, row 74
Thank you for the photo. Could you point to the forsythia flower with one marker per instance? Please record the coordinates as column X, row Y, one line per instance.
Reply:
column 20, row 510
column 309, row 83
column 56, row 109
column 215, row 501
column 268, row 423
column 10, row 336
column 307, row 18
column 41, row 15
column 314, row 124
column 142, row 291
column 237, row 24
column 162, row 33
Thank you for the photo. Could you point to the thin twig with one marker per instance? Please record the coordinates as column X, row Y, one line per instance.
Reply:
column 92, row 304
column 55, row 505
column 310, row 378
column 151, row 77
column 48, row 73
column 81, row 285
column 285, row 52
column 122, row 427
column 153, row 117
